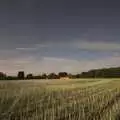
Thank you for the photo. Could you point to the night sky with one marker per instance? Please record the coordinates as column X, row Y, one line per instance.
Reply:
column 59, row 35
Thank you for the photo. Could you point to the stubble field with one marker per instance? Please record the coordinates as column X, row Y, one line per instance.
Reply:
column 83, row 99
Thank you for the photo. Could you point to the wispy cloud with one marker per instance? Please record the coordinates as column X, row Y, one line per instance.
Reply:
column 98, row 46
column 82, row 45
column 34, row 47
column 27, row 49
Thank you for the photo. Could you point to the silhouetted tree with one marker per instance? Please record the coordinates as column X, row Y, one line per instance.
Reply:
column 70, row 75
column 21, row 75
column 30, row 76
column 37, row 77
column 102, row 73
column 11, row 78
column 52, row 76
column 44, row 76
column 2, row 76
column 62, row 74
column 77, row 76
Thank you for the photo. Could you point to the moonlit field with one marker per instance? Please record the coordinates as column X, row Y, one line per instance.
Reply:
column 82, row 99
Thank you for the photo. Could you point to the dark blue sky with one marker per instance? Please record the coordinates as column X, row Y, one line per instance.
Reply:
column 71, row 35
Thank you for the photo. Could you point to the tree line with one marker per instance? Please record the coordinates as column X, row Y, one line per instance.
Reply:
column 95, row 73
column 21, row 76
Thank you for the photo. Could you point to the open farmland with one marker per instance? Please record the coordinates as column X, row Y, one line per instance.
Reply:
column 88, row 99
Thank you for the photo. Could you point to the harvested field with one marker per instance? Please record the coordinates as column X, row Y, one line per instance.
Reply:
column 83, row 99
